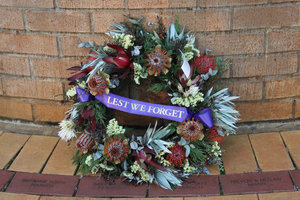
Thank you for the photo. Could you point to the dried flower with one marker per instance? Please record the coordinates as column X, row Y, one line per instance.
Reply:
column 158, row 61
column 99, row 83
column 191, row 130
column 85, row 141
column 67, row 130
column 116, row 149
column 113, row 128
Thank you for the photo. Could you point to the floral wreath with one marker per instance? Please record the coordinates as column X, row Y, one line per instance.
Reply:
column 201, row 116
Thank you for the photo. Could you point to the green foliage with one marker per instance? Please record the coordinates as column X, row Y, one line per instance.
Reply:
column 197, row 154
column 157, row 87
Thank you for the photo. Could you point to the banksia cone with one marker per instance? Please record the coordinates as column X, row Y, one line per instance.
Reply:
column 213, row 135
column 85, row 141
column 204, row 62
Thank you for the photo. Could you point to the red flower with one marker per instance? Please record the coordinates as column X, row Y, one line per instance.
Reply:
column 204, row 62
column 213, row 135
column 85, row 142
column 177, row 157
column 120, row 59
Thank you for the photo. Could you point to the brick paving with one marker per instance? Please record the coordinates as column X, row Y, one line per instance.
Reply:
column 257, row 167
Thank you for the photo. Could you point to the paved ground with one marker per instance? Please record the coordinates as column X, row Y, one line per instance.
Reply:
column 257, row 167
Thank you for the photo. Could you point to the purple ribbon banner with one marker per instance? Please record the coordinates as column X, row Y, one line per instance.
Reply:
column 174, row 113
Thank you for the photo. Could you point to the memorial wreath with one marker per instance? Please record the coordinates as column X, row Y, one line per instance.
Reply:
column 201, row 114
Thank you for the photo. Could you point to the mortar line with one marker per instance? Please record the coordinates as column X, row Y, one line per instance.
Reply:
column 49, row 157
column 8, row 183
column 298, row 62
column 231, row 18
column 2, row 84
column 33, row 110
column 7, row 166
column 294, row 184
column 125, row 3
column 55, row 4
column 220, row 186
column 25, row 22
column 92, row 26
column 264, row 90
column 288, row 151
column 59, row 47
column 257, row 164
column 76, row 187
column 265, row 42
column 294, row 109
column 31, row 68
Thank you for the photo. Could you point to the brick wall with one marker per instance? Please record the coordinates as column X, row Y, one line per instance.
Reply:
column 38, row 42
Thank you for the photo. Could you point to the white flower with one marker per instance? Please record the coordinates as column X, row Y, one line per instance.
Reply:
column 88, row 160
column 113, row 128
column 188, row 98
column 136, row 50
column 139, row 72
column 67, row 130
column 71, row 92
column 125, row 40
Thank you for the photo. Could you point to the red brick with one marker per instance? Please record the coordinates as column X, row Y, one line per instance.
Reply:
column 265, row 65
column 5, row 177
column 58, row 21
column 232, row 43
column 70, row 44
column 204, row 20
column 28, row 44
column 137, row 4
column 295, row 174
column 11, row 19
column 33, row 88
column 182, row 3
column 151, row 16
column 222, row 3
column 14, row 65
column 27, row 3
column 273, row 17
column 50, row 112
column 262, row 111
column 15, row 109
column 56, row 68
column 283, row 88
column 246, row 90
column 43, row 184
column 91, row 4
column 283, row 41
column 102, row 20
column 256, row 183
column 297, row 114
column 99, row 187
column 194, row 186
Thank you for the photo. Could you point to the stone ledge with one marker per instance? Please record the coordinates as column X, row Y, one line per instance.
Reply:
column 17, row 126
